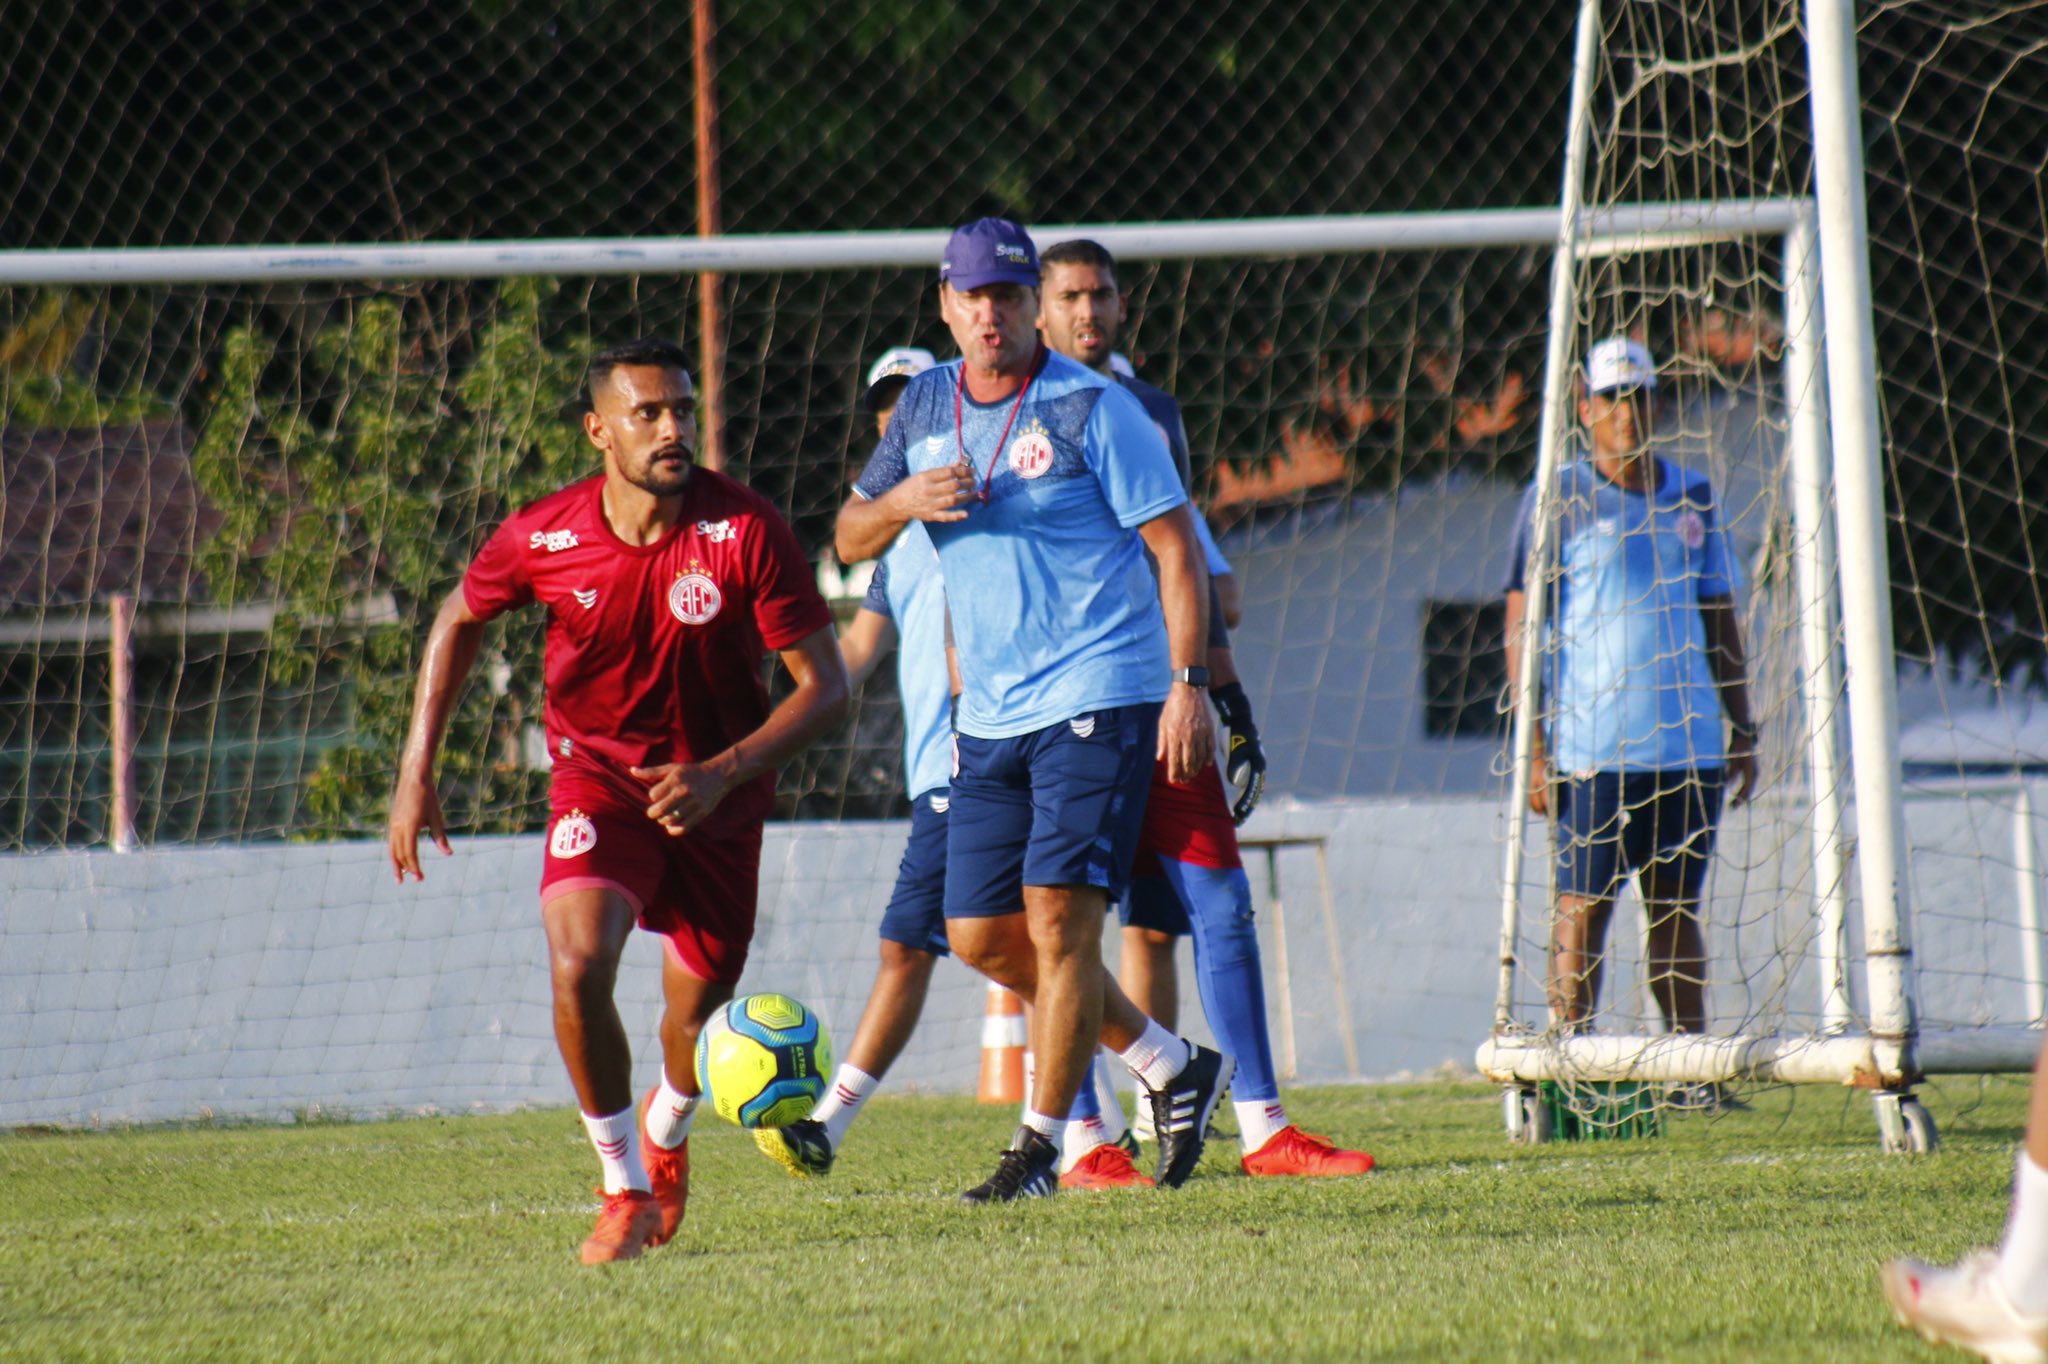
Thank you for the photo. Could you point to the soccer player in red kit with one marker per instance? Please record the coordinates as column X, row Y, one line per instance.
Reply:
column 664, row 584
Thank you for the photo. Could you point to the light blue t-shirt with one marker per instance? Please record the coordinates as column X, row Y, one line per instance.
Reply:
column 1160, row 406
column 906, row 588
column 1629, row 681
column 1055, row 609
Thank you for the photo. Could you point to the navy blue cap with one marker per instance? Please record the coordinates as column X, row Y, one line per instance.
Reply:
column 989, row 251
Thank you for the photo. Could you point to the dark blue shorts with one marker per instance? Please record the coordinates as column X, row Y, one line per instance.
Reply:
column 1151, row 903
column 1061, row 806
column 916, row 916
column 1612, row 825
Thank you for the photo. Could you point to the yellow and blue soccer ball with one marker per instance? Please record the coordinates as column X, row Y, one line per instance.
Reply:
column 763, row 1061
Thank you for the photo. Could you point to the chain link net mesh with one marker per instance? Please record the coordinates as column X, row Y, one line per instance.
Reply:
column 288, row 478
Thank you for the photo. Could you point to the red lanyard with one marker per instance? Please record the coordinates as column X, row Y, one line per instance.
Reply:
column 960, row 426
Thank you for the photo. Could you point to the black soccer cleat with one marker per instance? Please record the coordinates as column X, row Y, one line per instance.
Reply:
column 1029, row 1169
column 1180, row 1113
column 802, row 1148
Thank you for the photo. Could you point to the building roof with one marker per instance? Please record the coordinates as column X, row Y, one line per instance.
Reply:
column 88, row 513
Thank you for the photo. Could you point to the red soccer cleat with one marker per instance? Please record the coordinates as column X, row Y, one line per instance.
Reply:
column 669, row 1174
column 1108, row 1166
column 628, row 1223
column 1291, row 1151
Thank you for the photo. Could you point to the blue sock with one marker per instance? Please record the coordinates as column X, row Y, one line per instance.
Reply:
column 1228, row 972
column 1085, row 1107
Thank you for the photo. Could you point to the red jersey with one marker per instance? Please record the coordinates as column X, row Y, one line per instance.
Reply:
column 653, row 651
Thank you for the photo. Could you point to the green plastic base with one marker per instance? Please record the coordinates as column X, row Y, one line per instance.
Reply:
column 1601, row 1110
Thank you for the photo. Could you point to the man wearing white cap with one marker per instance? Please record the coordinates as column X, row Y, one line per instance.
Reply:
column 1643, row 666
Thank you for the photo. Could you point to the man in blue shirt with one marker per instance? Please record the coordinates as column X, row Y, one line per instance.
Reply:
column 1189, row 878
column 1643, row 660
column 904, row 610
column 1042, row 484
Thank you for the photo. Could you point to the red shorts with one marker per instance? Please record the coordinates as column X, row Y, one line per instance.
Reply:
column 1188, row 823
column 699, row 893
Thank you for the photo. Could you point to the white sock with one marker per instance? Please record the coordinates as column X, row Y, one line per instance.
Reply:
column 1113, row 1124
column 2023, row 1259
column 1258, row 1121
column 1083, row 1135
column 1053, row 1130
column 851, row 1087
column 1157, row 1056
column 617, row 1140
column 670, row 1114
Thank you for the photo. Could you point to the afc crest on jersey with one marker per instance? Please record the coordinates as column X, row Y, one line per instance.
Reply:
column 575, row 834
column 693, row 598
column 1692, row 529
column 1031, row 453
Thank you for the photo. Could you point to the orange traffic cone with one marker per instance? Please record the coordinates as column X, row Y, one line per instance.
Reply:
column 1002, row 1048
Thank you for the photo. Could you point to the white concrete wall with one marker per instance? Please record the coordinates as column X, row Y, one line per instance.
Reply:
column 257, row 981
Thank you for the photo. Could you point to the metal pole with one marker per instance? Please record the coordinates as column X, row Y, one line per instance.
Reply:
column 710, row 287
column 2027, row 872
column 1557, row 393
column 1614, row 229
column 120, row 643
column 1337, row 976
column 1859, row 503
column 1815, row 570
column 1283, row 978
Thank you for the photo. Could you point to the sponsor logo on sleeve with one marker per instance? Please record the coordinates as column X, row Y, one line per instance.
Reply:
column 575, row 834
column 693, row 598
column 553, row 541
column 1031, row 453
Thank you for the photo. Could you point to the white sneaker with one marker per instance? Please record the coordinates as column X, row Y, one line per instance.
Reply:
column 1964, row 1306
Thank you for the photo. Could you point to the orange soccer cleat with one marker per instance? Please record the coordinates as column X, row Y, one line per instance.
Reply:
column 1291, row 1151
column 628, row 1223
column 669, row 1174
column 1108, row 1166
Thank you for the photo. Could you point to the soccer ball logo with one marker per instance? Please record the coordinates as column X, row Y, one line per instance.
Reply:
column 693, row 599
column 763, row 1061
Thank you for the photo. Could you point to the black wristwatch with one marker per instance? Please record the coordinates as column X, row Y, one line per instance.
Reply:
column 1194, row 677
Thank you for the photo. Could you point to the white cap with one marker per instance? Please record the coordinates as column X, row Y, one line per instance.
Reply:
column 901, row 362
column 1619, row 363
column 1119, row 363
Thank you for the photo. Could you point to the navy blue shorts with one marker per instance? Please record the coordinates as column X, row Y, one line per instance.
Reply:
column 1151, row 903
column 1061, row 806
column 1612, row 825
column 916, row 916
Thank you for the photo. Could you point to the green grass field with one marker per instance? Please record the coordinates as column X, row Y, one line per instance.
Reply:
column 1750, row 1236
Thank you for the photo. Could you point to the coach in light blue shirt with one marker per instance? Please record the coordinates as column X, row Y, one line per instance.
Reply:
column 1643, row 664
column 1042, row 484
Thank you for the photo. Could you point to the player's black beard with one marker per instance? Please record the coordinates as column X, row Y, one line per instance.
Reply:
column 663, row 484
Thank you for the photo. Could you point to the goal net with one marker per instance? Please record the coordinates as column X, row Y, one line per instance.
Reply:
column 1804, row 972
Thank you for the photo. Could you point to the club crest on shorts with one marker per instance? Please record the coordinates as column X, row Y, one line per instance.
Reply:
column 574, row 835
column 693, row 598
column 1031, row 453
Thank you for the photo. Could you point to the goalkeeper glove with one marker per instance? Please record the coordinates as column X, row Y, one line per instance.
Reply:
column 1244, row 762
